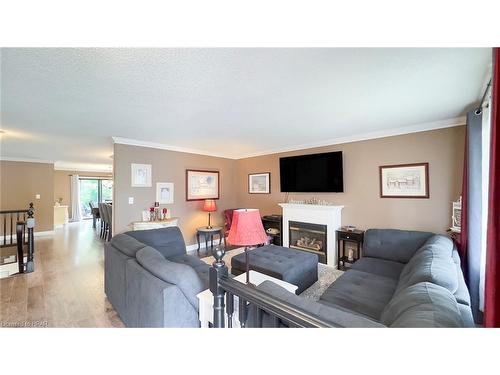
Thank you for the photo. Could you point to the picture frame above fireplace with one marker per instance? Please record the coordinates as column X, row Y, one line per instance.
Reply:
column 404, row 180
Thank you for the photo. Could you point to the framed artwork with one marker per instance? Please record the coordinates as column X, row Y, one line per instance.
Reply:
column 165, row 192
column 456, row 217
column 201, row 185
column 141, row 175
column 404, row 181
column 259, row 183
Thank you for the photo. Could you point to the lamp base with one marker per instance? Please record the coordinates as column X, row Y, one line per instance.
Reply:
column 209, row 226
column 247, row 265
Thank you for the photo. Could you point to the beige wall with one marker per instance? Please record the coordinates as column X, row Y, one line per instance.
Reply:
column 20, row 182
column 62, row 184
column 168, row 166
column 443, row 149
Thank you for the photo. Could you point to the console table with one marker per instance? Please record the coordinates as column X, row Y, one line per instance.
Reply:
column 145, row 225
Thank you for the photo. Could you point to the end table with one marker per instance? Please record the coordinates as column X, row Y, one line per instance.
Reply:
column 208, row 233
column 354, row 236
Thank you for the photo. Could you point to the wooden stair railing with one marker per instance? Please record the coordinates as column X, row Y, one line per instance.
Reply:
column 25, row 224
column 225, row 289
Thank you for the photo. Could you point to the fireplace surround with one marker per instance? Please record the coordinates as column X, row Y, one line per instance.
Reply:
column 315, row 214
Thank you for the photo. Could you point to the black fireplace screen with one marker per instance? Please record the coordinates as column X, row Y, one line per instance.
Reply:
column 308, row 237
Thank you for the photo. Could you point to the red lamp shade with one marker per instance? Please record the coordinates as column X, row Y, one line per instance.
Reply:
column 246, row 228
column 209, row 205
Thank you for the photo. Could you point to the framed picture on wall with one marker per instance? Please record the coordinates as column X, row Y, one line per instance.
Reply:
column 165, row 192
column 201, row 185
column 259, row 183
column 141, row 175
column 404, row 181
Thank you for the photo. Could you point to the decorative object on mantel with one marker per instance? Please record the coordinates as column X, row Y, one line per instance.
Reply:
column 201, row 185
column 165, row 192
column 404, row 181
column 209, row 206
column 456, row 217
column 141, row 175
column 313, row 200
column 247, row 230
column 259, row 183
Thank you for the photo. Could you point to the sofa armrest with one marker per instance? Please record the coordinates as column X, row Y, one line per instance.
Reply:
column 152, row 302
column 337, row 316
column 181, row 275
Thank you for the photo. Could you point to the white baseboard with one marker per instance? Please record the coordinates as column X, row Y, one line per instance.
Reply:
column 194, row 246
column 36, row 234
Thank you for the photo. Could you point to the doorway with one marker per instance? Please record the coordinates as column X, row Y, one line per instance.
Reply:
column 94, row 190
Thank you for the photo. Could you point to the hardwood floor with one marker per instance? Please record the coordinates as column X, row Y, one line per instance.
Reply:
column 67, row 287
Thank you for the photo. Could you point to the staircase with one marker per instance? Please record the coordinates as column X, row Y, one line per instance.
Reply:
column 17, row 241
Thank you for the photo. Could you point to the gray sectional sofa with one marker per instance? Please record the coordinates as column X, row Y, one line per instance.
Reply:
column 151, row 281
column 405, row 279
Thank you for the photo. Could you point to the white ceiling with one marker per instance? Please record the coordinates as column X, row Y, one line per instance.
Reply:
column 64, row 105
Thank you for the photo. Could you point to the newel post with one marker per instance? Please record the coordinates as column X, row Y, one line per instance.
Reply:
column 30, row 223
column 218, row 271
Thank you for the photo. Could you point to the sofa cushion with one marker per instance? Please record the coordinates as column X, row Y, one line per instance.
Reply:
column 379, row 267
column 393, row 244
column 432, row 263
column 126, row 244
column 182, row 275
column 422, row 305
column 168, row 241
column 361, row 292
column 198, row 265
column 336, row 316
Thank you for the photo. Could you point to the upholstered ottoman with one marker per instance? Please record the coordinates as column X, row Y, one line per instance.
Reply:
column 294, row 266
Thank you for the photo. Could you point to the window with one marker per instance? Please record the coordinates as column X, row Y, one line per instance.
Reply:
column 94, row 191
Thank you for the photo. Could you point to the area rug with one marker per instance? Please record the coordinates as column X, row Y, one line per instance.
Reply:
column 326, row 275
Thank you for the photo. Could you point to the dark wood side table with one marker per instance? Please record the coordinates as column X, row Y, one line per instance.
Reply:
column 355, row 236
column 208, row 233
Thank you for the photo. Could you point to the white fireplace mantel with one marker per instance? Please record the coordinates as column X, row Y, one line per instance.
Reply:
column 331, row 216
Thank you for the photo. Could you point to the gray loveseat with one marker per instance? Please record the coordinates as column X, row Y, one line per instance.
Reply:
column 405, row 279
column 151, row 281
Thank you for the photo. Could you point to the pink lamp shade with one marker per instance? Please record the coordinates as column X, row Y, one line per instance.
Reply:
column 209, row 205
column 246, row 228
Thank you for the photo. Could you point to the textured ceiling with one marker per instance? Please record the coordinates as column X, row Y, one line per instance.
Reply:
column 65, row 104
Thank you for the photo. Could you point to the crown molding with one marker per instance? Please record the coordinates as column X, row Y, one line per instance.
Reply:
column 26, row 160
column 161, row 146
column 82, row 167
column 450, row 123
column 64, row 166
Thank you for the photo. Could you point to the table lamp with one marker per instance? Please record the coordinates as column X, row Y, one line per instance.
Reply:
column 209, row 206
column 247, row 230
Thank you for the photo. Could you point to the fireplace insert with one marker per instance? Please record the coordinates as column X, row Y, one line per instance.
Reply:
column 308, row 237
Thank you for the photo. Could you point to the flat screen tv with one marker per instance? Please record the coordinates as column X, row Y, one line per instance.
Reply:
column 316, row 173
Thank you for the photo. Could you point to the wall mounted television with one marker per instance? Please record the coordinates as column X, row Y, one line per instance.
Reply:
column 315, row 173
